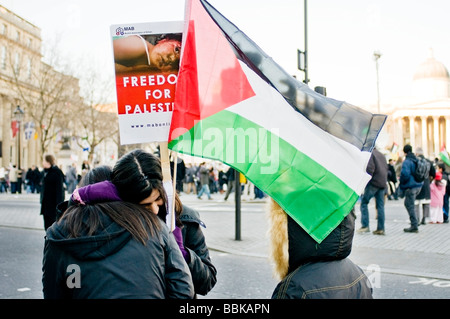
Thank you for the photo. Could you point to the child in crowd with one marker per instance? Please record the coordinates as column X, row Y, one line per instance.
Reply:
column 437, row 191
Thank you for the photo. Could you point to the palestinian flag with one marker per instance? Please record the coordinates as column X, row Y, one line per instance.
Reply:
column 443, row 154
column 234, row 104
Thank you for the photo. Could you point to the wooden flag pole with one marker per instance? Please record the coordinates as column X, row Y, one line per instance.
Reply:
column 168, row 184
column 165, row 162
column 174, row 190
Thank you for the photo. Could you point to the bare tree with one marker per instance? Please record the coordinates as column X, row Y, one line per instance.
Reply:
column 96, row 120
column 45, row 92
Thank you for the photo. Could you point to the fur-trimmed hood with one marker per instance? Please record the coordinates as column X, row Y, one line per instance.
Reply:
column 291, row 246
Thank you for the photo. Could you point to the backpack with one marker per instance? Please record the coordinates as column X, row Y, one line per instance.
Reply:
column 422, row 170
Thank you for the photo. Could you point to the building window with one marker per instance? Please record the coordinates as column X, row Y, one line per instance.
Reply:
column 4, row 29
column 30, row 41
column 3, row 58
column 17, row 64
column 29, row 69
column 17, row 36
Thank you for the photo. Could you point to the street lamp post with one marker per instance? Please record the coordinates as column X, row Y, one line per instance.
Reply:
column 376, row 56
column 304, row 66
column 18, row 114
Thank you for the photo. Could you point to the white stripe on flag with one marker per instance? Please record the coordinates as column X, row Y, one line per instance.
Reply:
column 270, row 110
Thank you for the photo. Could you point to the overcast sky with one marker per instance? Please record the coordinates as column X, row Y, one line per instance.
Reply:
column 342, row 35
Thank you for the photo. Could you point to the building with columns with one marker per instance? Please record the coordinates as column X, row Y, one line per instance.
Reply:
column 423, row 118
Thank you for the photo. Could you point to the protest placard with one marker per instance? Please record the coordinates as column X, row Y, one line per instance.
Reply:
column 146, row 62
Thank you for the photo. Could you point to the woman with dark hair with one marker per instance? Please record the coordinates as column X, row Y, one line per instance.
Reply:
column 103, row 247
column 138, row 175
column 134, row 176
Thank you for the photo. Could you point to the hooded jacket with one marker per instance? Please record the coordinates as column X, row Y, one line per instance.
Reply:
column 111, row 264
column 309, row 270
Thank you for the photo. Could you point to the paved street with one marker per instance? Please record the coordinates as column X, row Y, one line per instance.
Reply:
column 425, row 254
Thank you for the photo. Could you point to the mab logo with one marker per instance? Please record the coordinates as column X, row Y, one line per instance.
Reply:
column 121, row 31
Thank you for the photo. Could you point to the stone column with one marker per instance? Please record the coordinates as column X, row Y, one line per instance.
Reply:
column 423, row 119
column 400, row 138
column 436, row 135
column 412, row 133
column 447, row 130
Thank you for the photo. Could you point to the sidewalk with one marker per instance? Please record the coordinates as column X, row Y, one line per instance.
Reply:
column 425, row 254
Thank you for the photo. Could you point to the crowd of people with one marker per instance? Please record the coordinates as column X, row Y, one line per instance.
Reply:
column 207, row 179
column 117, row 214
column 16, row 180
column 425, row 196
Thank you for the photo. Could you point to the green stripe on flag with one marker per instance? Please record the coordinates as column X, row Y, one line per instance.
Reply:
column 287, row 175
column 444, row 157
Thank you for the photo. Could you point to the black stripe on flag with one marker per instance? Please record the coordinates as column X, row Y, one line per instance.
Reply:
column 341, row 119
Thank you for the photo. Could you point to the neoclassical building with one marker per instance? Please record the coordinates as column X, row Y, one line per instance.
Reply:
column 20, row 45
column 25, row 80
column 423, row 118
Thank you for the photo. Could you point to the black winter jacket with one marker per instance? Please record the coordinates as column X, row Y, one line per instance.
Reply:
column 52, row 192
column 112, row 265
column 322, row 271
column 378, row 169
column 202, row 270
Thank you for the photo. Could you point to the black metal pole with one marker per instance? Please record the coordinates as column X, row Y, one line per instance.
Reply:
column 237, row 195
column 18, row 147
column 306, row 44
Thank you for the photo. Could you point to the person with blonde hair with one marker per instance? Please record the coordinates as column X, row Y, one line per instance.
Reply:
column 308, row 270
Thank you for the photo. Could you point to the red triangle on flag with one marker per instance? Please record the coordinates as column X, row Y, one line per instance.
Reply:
column 210, row 77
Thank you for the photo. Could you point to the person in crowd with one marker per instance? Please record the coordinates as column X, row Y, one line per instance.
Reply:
column 3, row 180
column 423, row 199
column 409, row 187
column 13, row 178
column 204, row 180
column 445, row 177
column 190, row 179
column 85, row 167
column 30, row 180
column 71, row 178
column 308, row 270
column 52, row 192
column 38, row 179
column 231, row 177
column 118, row 249
column 19, row 180
column 376, row 187
column 181, row 172
column 437, row 191
column 222, row 180
column 392, row 180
